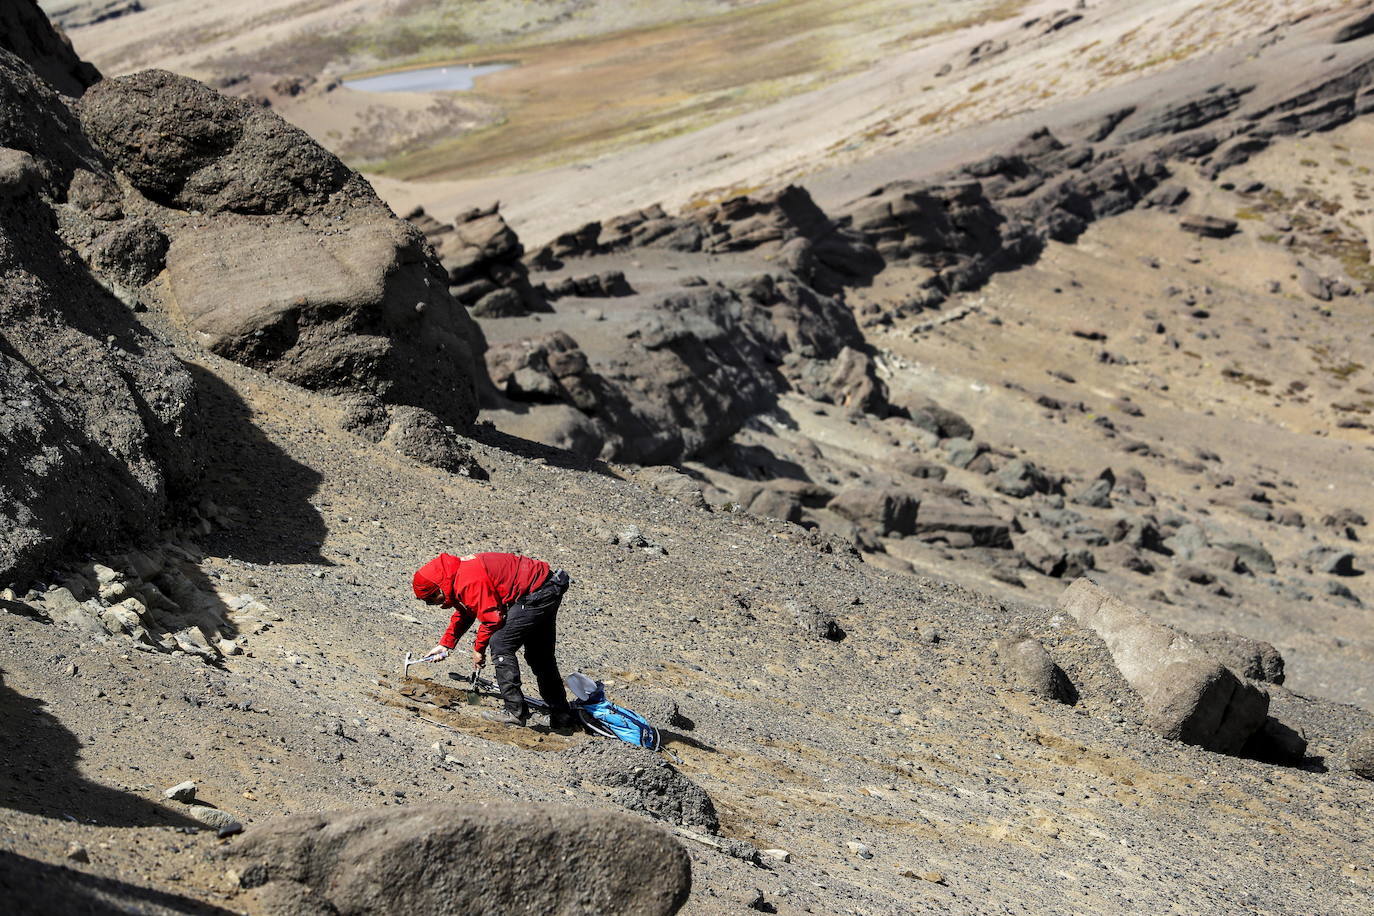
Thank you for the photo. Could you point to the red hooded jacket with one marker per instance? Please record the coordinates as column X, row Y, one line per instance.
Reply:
column 480, row 587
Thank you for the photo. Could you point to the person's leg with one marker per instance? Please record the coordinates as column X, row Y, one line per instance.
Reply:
column 540, row 656
column 540, row 644
column 520, row 620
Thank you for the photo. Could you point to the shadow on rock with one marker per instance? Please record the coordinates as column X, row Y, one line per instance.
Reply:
column 38, row 775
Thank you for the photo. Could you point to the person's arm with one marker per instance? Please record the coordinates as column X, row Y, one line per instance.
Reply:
column 480, row 595
column 491, row 622
column 457, row 625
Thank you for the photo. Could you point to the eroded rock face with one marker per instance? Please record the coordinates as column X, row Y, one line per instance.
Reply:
column 184, row 145
column 279, row 256
column 96, row 414
column 481, row 255
column 1187, row 695
column 470, row 859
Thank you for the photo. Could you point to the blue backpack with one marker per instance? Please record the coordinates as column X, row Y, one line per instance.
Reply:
column 602, row 717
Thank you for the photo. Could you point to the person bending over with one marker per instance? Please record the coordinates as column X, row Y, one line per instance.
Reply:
column 515, row 601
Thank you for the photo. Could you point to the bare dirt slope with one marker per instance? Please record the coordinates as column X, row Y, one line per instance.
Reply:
column 844, row 692
column 970, row 797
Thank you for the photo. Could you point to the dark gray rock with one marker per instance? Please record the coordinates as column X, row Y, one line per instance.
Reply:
column 961, row 452
column 886, row 512
column 26, row 33
column 1030, row 667
column 1250, row 658
column 471, row 858
column 500, row 303
column 184, row 145
column 961, row 525
column 1342, row 591
column 1331, row 561
column 814, row 622
column 1021, row 478
column 418, row 434
column 133, row 252
column 98, row 417
column 1211, row 227
column 1097, row 492
column 1315, row 286
column 1359, row 756
column 916, row 466
column 1252, row 553
column 944, row 423
column 643, row 781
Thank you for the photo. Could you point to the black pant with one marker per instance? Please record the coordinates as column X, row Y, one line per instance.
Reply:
column 532, row 622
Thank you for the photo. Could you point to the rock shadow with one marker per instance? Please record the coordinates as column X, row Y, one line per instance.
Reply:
column 245, row 470
column 528, row 449
column 671, row 737
column 33, row 888
column 39, row 775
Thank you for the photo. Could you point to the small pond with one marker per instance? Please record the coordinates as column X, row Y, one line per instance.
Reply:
column 431, row 79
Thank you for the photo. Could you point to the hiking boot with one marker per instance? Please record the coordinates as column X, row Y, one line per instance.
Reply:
column 503, row 717
column 563, row 721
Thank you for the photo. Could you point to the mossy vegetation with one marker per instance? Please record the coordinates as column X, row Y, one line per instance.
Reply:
column 660, row 80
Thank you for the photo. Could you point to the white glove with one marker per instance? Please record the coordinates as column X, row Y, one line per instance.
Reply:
column 437, row 654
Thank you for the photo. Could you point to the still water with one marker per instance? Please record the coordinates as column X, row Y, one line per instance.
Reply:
column 432, row 79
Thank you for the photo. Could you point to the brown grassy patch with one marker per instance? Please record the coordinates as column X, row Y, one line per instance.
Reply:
column 571, row 99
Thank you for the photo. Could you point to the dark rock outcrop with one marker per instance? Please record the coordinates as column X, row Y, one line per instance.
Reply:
column 97, row 415
column 482, row 256
column 643, row 781
column 26, row 33
column 183, row 145
column 292, row 265
column 820, row 251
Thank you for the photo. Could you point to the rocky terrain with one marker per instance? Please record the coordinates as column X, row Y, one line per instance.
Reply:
column 981, row 519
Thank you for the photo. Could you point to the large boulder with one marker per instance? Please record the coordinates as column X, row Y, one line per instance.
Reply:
column 885, row 512
column 184, row 145
column 280, row 257
column 470, row 859
column 1187, row 695
column 961, row 525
